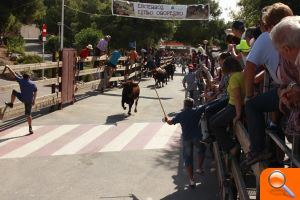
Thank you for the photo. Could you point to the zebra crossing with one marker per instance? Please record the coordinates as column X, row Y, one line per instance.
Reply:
column 52, row 140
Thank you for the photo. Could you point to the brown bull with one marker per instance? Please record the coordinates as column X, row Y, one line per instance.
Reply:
column 131, row 92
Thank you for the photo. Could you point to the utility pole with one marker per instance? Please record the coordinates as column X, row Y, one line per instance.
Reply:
column 62, row 25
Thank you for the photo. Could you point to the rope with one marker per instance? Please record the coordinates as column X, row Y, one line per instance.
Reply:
column 160, row 102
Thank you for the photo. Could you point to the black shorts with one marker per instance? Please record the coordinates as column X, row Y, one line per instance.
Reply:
column 28, row 106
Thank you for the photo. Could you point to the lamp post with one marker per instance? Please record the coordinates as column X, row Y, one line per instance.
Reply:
column 62, row 24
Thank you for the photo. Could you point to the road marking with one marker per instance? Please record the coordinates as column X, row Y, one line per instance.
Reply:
column 162, row 137
column 124, row 138
column 40, row 142
column 16, row 134
column 83, row 140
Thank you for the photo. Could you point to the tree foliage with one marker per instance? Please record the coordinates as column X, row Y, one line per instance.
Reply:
column 15, row 12
column 87, row 36
column 250, row 9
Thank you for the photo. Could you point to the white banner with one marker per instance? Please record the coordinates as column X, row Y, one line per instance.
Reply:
column 160, row 11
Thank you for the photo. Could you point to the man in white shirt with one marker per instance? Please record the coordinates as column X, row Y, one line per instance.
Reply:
column 263, row 53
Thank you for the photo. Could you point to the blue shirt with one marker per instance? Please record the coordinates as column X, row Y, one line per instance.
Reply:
column 114, row 58
column 189, row 120
column 27, row 88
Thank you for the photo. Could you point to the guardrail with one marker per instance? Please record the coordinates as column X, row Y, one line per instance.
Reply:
column 55, row 81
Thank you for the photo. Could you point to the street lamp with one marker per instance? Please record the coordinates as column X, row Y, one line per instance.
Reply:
column 62, row 24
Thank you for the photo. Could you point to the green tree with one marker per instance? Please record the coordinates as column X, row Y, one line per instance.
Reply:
column 250, row 9
column 87, row 36
column 14, row 12
column 194, row 32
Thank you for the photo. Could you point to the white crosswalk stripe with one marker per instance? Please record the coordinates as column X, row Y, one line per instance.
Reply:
column 21, row 131
column 77, row 139
column 83, row 140
column 162, row 137
column 40, row 142
column 122, row 140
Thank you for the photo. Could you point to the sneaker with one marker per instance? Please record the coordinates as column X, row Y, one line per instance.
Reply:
column 9, row 104
column 30, row 130
column 254, row 157
column 192, row 184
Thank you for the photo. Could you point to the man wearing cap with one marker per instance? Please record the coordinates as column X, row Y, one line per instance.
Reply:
column 101, row 48
column 84, row 53
column 238, row 30
column 191, row 81
column 27, row 95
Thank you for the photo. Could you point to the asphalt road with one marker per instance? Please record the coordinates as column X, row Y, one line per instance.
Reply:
column 94, row 150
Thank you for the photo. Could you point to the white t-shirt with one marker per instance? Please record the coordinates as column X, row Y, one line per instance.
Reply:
column 263, row 52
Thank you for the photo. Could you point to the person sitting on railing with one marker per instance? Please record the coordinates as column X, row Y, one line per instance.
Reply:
column 132, row 59
column 233, row 111
column 191, row 136
column 111, row 66
column 289, row 70
column 101, row 48
column 263, row 52
column 27, row 95
column 84, row 53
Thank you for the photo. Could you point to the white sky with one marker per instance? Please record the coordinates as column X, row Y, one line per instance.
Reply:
column 226, row 7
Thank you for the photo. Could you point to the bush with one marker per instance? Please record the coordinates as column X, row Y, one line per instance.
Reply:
column 15, row 44
column 87, row 36
column 27, row 59
column 52, row 44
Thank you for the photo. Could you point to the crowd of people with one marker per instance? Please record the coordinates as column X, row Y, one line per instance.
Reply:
column 235, row 90
column 230, row 92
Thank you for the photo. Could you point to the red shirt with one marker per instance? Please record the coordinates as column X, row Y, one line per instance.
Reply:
column 84, row 53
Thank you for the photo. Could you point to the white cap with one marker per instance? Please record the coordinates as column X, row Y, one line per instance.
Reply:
column 89, row 46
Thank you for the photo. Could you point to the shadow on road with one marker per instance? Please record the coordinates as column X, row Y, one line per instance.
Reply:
column 113, row 119
column 206, row 184
column 6, row 139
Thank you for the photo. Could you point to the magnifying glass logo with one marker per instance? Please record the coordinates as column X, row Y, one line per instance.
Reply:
column 277, row 180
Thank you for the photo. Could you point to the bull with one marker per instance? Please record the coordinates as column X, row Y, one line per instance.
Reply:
column 160, row 77
column 130, row 93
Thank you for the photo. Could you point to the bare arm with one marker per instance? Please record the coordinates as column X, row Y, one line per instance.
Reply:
column 249, row 74
column 11, row 71
column 34, row 98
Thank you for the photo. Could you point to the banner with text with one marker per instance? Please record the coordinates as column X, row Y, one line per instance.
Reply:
column 160, row 11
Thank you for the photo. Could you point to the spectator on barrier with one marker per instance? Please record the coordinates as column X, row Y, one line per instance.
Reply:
column 191, row 137
column 221, row 102
column 191, row 82
column 238, row 29
column 264, row 53
column 84, row 53
column 111, row 66
column 27, row 95
column 102, row 48
column 233, row 111
column 289, row 70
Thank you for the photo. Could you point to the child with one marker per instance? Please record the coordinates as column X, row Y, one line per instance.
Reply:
column 191, row 134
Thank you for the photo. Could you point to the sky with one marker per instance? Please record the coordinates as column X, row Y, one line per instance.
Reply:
column 226, row 6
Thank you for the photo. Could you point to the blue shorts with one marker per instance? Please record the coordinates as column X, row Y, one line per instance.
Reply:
column 188, row 149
